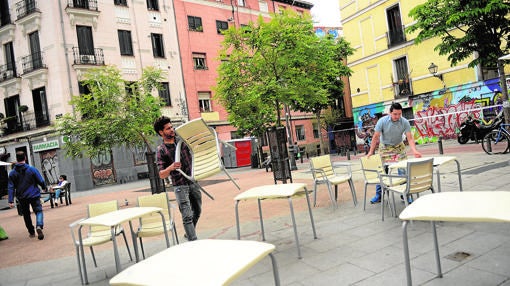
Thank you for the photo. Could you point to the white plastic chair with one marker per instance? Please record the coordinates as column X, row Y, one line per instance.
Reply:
column 205, row 150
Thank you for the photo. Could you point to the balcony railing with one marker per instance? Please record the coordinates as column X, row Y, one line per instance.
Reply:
column 83, row 4
column 94, row 57
column 24, row 8
column 7, row 72
column 27, row 122
column 396, row 37
column 32, row 62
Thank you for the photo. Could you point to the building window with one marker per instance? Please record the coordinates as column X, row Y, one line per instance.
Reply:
column 396, row 33
column 199, row 61
column 221, row 26
column 403, row 83
column 316, row 130
column 241, row 3
column 164, row 94
column 83, row 88
column 125, row 43
column 5, row 17
column 195, row 24
column 204, row 101
column 152, row 5
column 158, row 49
column 235, row 135
column 120, row 2
column 300, row 132
column 408, row 114
column 263, row 6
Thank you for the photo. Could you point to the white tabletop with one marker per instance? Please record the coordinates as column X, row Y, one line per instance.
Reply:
column 439, row 160
column 486, row 206
column 212, row 262
column 119, row 216
column 272, row 191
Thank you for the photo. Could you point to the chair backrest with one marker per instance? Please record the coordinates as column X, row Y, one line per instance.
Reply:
column 157, row 200
column 204, row 146
column 96, row 209
column 374, row 163
column 323, row 163
column 420, row 175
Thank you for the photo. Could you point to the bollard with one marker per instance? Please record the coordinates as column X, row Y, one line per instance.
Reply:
column 348, row 154
column 440, row 144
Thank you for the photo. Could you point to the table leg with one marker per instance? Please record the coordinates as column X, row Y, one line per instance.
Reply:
column 237, row 221
column 80, row 237
column 310, row 212
column 407, row 261
column 295, row 228
column 436, row 246
column 276, row 275
column 261, row 220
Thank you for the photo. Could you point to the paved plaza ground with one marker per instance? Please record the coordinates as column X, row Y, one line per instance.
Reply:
column 354, row 247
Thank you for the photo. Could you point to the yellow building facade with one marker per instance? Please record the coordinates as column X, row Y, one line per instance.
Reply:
column 388, row 67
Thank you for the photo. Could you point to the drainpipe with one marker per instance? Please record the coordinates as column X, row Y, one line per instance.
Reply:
column 180, row 62
column 68, row 69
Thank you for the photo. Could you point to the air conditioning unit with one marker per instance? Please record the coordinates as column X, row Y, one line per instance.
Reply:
column 87, row 59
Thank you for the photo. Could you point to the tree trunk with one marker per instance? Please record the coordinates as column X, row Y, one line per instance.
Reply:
column 504, row 91
column 157, row 184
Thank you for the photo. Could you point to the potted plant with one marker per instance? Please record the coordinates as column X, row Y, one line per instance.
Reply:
column 23, row 108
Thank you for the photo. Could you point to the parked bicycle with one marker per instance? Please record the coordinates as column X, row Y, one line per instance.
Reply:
column 497, row 141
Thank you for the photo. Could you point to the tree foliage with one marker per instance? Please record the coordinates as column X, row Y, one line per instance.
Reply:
column 114, row 113
column 465, row 26
column 269, row 64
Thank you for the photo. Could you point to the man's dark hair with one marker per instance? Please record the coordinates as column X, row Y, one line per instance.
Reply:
column 395, row 105
column 63, row 177
column 160, row 123
column 20, row 156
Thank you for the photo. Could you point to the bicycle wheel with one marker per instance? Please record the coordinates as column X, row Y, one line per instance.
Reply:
column 496, row 142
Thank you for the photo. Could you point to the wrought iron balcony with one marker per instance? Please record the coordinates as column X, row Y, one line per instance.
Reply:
column 94, row 57
column 396, row 37
column 83, row 4
column 26, row 122
column 32, row 62
column 24, row 8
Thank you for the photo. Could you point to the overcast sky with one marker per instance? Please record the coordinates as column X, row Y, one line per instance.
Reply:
column 326, row 13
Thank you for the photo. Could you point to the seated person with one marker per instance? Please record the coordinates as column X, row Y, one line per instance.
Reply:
column 56, row 189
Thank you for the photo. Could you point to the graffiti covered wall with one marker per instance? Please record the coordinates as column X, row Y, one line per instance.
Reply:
column 438, row 113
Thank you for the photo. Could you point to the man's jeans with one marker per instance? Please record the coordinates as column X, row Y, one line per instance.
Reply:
column 401, row 172
column 25, row 204
column 189, row 199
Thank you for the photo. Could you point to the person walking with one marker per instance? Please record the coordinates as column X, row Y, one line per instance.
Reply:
column 187, row 194
column 23, row 183
column 389, row 132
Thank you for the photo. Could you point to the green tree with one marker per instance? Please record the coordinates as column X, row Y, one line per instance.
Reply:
column 114, row 113
column 483, row 26
column 271, row 64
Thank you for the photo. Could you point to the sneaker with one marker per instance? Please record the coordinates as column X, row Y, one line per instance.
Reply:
column 375, row 200
column 40, row 234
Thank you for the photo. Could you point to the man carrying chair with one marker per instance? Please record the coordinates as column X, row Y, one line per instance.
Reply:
column 187, row 193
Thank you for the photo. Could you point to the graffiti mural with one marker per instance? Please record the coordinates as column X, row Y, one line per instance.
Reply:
column 102, row 169
column 441, row 112
column 49, row 166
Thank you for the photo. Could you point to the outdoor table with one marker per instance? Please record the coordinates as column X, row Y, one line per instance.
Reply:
column 275, row 192
column 438, row 161
column 480, row 206
column 114, row 219
column 214, row 262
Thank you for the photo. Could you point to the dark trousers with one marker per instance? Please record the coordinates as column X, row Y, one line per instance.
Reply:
column 25, row 204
